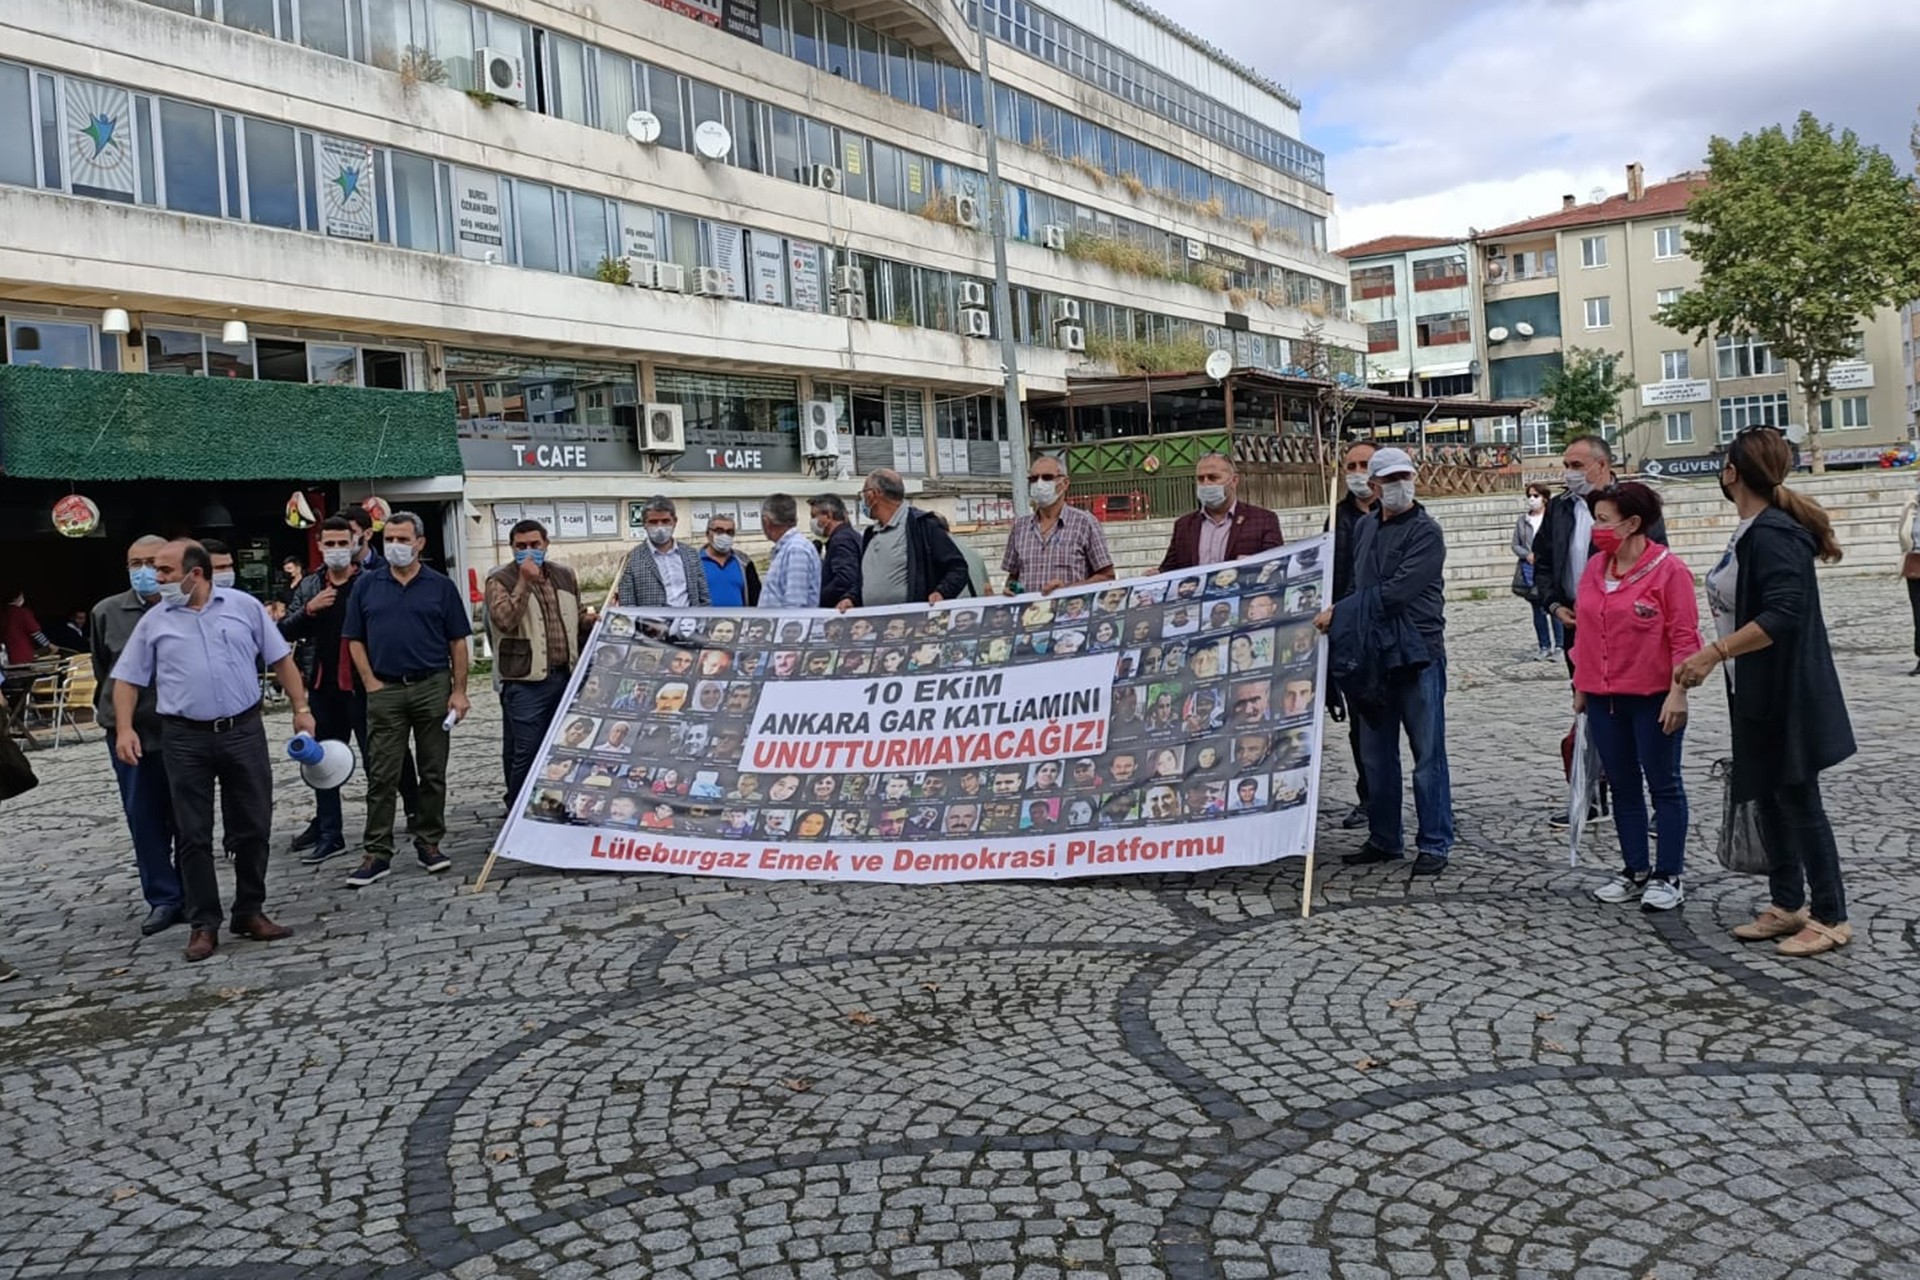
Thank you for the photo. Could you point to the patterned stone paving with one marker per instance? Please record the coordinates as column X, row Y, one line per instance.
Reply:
column 568, row 1076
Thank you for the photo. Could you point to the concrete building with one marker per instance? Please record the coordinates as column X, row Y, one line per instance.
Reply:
column 1593, row 276
column 394, row 245
column 1415, row 296
column 1910, row 362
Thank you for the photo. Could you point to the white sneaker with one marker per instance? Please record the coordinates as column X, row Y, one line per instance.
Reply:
column 1662, row 895
column 1544, row 655
column 1622, row 888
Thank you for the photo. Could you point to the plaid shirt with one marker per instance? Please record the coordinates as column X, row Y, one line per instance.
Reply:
column 793, row 578
column 1073, row 552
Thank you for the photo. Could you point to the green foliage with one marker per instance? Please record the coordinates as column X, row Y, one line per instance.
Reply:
column 1121, row 255
column 1585, row 393
column 1184, row 355
column 482, row 97
column 1800, row 238
column 614, row 271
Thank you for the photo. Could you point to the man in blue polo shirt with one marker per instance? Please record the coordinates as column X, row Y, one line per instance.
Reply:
column 407, row 630
column 732, row 580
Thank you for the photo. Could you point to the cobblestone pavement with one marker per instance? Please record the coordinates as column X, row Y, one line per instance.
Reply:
column 574, row 1076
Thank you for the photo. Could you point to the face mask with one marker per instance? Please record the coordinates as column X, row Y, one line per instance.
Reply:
column 723, row 543
column 1535, row 502
column 1212, row 496
column 223, row 577
column 659, row 534
column 145, row 580
column 336, row 557
column 171, row 592
column 1607, row 538
column 819, row 529
column 866, row 512
column 537, row 554
column 1044, row 493
column 1357, row 486
column 1396, row 495
column 401, row 554
column 1577, row 483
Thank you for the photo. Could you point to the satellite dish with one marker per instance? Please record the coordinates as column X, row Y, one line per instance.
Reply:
column 1219, row 365
column 711, row 139
column 643, row 127
column 1497, row 334
column 1524, row 329
column 1598, row 195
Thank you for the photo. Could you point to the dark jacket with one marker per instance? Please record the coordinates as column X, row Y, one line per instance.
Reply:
column 318, row 635
column 1345, row 517
column 934, row 562
column 1368, row 651
column 1405, row 559
column 1552, row 547
column 111, row 625
column 840, row 567
column 1789, row 717
column 1255, row 529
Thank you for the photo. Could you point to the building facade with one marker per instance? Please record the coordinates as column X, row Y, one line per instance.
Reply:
column 1594, row 277
column 540, row 225
column 1910, row 362
column 1415, row 297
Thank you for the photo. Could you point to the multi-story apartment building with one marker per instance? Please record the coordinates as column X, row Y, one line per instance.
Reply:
column 394, row 245
column 1594, row 276
column 1414, row 295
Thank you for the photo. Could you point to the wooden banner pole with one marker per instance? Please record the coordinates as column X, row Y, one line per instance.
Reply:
column 1334, row 482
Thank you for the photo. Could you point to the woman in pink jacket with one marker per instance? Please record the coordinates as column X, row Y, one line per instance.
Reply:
column 1638, row 620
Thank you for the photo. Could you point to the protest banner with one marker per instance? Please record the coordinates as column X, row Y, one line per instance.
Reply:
column 1162, row 724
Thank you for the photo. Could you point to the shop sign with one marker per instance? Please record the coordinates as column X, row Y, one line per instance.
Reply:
column 533, row 455
column 1684, row 467
column 478, row 229
column 1675, row 391
column 1851, row 375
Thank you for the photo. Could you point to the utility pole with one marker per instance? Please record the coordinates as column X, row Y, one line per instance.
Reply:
column 1002, row 292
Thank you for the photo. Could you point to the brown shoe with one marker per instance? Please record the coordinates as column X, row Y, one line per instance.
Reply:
column 1771, row 923
column 1817, row 938
column 201, row 944
column 259, row 928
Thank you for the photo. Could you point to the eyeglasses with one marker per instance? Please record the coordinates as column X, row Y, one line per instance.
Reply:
column 1037, row 479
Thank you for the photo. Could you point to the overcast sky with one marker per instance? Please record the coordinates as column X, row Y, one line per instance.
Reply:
column 1438, row 115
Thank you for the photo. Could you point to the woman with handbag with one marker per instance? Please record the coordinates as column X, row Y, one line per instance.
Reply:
column 1637, row 620
column 1546, row 628
column 1910, row 565
column 1788, row 716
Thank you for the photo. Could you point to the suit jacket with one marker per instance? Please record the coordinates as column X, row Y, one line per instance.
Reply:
column 640, row 585
column 1254, row 529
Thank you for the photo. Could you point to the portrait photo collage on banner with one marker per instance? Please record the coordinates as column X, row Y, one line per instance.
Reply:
column 1161, row 724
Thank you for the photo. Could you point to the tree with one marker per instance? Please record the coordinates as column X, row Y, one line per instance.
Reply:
column 1801, row 239
column 1583, row 396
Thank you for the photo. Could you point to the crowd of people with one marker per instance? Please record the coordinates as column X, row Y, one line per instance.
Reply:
column 372, row 646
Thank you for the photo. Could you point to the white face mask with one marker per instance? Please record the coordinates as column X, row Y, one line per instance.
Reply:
column 819, row 528
column 723, row 543
column 1577, row 483
column 659, row 534
column 1535, row 502
column 1396, row 495
column 1357, row 486
column 172, row 592
column 401, row 554
column 336, row 557
column 1212, row 496
column 223, row 577
column 1044, row 493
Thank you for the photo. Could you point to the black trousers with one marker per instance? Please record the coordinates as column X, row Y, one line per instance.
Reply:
column 1913, row 598
column 1359, row 765
column 236, row 760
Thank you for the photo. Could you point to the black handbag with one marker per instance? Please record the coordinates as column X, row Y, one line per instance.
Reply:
column 16, row 775
column 1741, row 848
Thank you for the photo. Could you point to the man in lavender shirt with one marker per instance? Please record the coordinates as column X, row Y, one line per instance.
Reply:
column 201, row 649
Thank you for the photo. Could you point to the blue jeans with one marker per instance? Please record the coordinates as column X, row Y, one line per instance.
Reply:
column 527, row 708
column 148, row 804
column 1548, row 629
column 1625, row 729
column 1417, row 704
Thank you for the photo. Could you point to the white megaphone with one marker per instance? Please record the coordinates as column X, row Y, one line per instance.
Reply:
column 324, row 766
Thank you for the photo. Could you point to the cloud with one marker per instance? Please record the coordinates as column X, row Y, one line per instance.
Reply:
column 1447, row 114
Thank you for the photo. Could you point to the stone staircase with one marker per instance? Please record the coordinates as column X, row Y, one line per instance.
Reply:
column 1865, row 506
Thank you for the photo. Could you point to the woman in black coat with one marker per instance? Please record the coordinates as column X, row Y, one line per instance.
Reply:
column 1789, row 719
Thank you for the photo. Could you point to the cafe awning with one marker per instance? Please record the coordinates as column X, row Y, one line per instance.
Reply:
column 68, row 424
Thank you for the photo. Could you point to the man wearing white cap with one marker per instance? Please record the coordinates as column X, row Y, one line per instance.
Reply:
column 1399, row 558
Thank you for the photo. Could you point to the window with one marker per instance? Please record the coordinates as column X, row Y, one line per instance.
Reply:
column 16, row 140
column 1675, row 366
column 1440, row 273
column 273, row 175
column 543, row 399
column 663, row 99
column 590, row 242
column 386, row 370
column 51, row 343
column 333, row 366
column 1680, row 427
column 416, row 215
column 1737, row 413
column 615, row 84
column 1599, row 313
column 1667, row 243
column 323, row 26
column 190, row 156
column 1443, row 329
column 1383, row 335
column 533, row 219
column 1536, row 435
column 1743, row 357
column 1373, row 282
column 1535, row 264
column 806, row 33
column 1593, row 251
column 1667, row 297
column 250, row 15
column 1850, row 415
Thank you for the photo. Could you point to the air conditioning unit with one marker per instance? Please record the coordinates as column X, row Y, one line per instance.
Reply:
column 1056, row 237
column 973, row 294
column 975, row 324
column 501, row 74
column 1197, row 250
column 1496, row 251
column 1073, row 338
column 640, row 272
column 1066, row 311
column 852, row 306
column 663, row 429
column 849, row 280
column 967, row 210
column 824, row 176
column 710, row 282
column 670, row 277
column 820, row 436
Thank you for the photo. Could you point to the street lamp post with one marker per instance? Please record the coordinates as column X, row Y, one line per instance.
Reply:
column 1002, row 291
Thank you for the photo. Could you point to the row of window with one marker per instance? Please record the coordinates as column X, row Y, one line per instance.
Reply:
column 75, row 344
column 1441, row 329
column 1449, row 271
column 600, row 88
column 1667, row 245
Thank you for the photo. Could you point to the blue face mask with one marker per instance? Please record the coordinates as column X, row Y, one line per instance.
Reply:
column 539, row 554
column 866, row 512
column 144, row 580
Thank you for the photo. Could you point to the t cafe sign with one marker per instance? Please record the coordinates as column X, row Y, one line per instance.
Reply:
column 550, row 457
